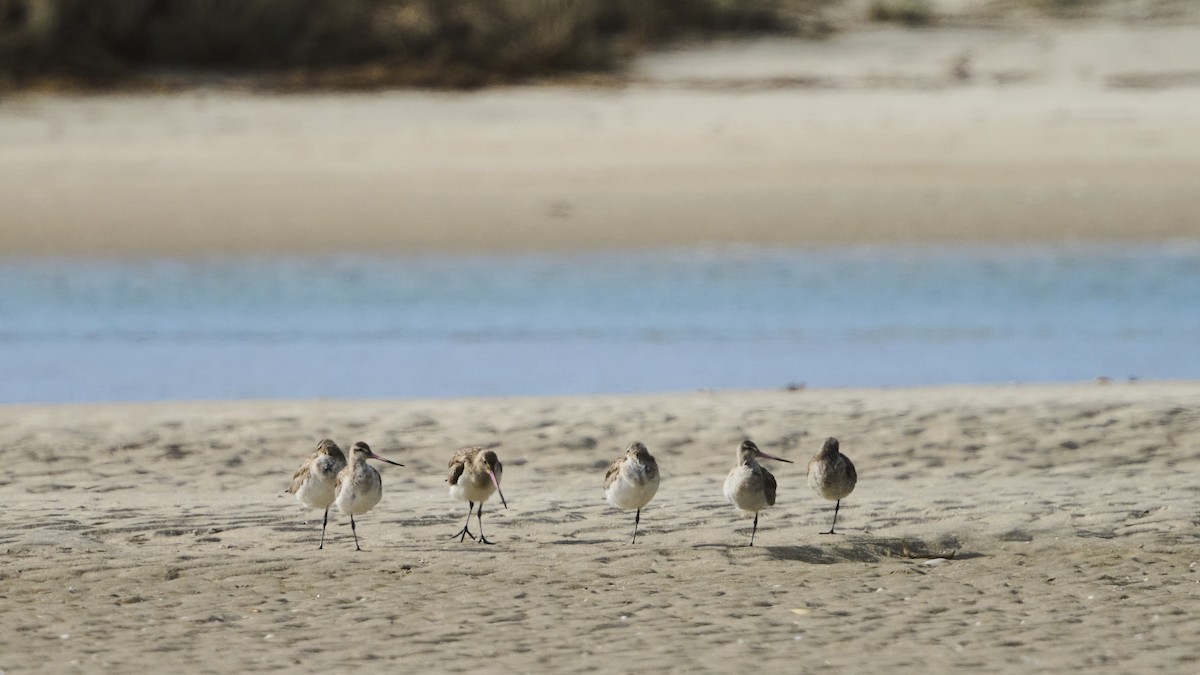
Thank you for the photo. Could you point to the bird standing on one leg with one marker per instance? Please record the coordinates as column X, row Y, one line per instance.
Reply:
column 474, row 476
column 359, row 487
column 749, row 486
column 832, row 475
column 315, row 483
column 632, row 481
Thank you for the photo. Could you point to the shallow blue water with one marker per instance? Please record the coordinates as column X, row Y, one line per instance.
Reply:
column 368, row 327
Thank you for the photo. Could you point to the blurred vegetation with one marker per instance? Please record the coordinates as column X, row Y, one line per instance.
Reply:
column 360, row 43
column 1124, row 10
column 346, row 44
column 907, row 12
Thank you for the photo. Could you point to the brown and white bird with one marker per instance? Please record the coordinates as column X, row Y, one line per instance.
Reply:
column 474, row 476
column 359, row 487
column 314, row 484
column 749, row 486
column 832, row 475
column 632, row 481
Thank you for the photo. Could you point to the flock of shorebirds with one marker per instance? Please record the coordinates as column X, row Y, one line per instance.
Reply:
column 328, row 478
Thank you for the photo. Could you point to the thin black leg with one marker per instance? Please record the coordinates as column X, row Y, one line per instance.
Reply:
column 355, row 531
column 464, row 532
column 323, row 526
column 637, row 517
column 752, row 532
column 835, row 512
column 479, row 514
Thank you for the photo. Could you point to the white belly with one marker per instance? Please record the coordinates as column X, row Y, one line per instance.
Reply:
column 744, row 490
column 465, row 491
column 629, row 493
column 355, row 500
column 316, row 492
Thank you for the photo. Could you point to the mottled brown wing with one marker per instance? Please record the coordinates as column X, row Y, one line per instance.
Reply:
column 458, row 463
column 456, row 472
column 300, row 475
column 851, row 474
column 769, row 486
column 612, row 472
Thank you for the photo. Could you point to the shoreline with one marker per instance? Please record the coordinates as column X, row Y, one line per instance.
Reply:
column 1078, row 246
column 1105, row 388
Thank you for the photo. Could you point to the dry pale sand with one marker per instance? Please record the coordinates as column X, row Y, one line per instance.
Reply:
column 142, row 537
column 1030, row 133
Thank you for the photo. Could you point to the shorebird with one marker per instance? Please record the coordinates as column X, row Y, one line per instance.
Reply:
column 359, row 487
column 474, row 476
column 749, row 486
column 832, row 475
column 631, row 481
column 314, row 484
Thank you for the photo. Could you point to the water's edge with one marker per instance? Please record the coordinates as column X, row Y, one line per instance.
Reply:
column 354, row 327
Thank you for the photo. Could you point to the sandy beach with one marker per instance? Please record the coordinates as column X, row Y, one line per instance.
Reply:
column 1015, row 528
column 993, row 529
column 1076, row 132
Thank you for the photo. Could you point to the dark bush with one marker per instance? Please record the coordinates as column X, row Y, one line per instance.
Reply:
column 360, row 42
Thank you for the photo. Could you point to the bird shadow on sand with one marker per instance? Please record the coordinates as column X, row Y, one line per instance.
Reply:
column 816, row 555
column 721, row 546
column 872, row 550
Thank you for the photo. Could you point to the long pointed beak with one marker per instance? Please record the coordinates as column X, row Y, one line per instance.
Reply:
column 375, row 456
column 777, row 459
column 497, row 484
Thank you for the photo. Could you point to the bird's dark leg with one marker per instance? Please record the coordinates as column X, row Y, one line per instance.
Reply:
column 323, row 526
column 753, row 531
column 464, row 532
column 637, row 517
column 479, row 514
column 835, row 511
column 354, row 530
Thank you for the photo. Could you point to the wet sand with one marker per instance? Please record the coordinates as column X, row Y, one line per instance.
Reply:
column 1033, row 528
